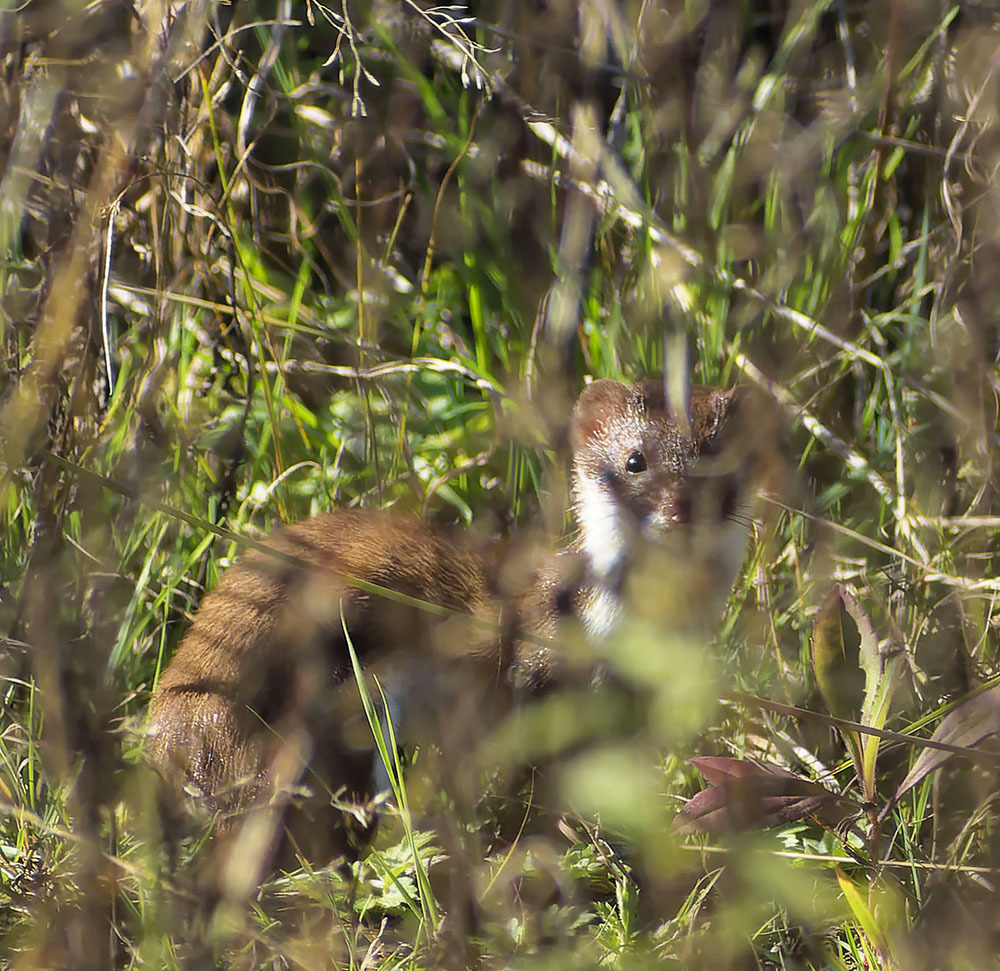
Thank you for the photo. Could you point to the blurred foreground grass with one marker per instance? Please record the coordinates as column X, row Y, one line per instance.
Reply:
column 262, row 259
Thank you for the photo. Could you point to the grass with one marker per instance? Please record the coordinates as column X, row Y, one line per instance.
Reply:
column 263, row 260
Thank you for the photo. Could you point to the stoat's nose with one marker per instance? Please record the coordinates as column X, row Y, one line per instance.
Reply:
column 679, row 508
column 671, row 508
column 702, row 500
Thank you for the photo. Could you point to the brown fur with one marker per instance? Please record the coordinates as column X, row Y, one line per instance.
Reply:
column 261, row 686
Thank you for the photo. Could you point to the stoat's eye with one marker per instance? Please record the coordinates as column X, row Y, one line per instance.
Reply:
column 635, row 463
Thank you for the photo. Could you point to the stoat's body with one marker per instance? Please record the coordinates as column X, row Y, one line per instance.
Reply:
column 260, row 695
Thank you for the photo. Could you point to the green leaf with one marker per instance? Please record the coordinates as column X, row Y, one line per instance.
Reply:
column 837, row 670
column 882, row 665
column 842, row 670
column 862, row 912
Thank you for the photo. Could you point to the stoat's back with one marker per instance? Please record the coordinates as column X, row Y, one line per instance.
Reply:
column 266, row 658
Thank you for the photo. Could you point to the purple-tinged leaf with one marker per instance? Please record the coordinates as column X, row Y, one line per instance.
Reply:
column 743, row 795
column 973, row 720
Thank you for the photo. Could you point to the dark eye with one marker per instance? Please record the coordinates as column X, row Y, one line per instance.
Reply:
column 636, row 463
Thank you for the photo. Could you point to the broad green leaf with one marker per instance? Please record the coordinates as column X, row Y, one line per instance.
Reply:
column 855, row 679
column 882, row 665
column 837, row 675
column 837, row 671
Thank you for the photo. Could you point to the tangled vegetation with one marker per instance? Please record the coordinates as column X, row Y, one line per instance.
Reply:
column 262, row 259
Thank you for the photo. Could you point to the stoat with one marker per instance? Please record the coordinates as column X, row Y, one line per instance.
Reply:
column 259, row 705
column 654, row 499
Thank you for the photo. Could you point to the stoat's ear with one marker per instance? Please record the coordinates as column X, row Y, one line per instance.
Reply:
column 598, row 404
column 709, row 411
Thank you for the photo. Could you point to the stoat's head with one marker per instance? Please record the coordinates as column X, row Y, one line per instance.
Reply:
column 640, row 476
